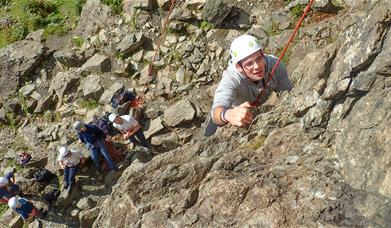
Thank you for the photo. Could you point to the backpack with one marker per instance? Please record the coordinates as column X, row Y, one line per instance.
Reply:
column 121, row 97
column 52, row 195
column 43, row 175
column 24, row 158
column 105, row 125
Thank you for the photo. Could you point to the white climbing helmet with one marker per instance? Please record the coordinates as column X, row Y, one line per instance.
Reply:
column 77, row 125
column 243, row 46
column 63, row 151
column 13, row 202
column 3, row 181
column 112, row 117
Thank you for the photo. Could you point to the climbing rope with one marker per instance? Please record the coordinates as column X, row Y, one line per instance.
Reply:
column 140, row 99
column 257, row 101
column 161, row 37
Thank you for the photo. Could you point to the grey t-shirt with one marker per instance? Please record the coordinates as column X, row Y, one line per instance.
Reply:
column 235, row 89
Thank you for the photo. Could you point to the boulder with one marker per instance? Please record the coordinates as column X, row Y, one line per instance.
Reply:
column 215, row 11
column 153, row 127
column 64, row 83
column 91, row 88
column 179, row 113
column 131, row 43
column 108, row 93
column 97, row 63
column 87, row 217
column 17, row 61
column 94, row 16
column 69, row 58
column 49, row 134
column 85, row 203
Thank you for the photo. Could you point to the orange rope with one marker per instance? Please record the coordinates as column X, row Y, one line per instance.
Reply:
column 162, row 35
column 256, row 102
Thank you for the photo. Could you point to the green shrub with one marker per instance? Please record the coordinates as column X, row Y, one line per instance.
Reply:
column 89, row 104
column 3, row 209
column 297, row 11
column 204, row 25
column 77, row 41
column 115, row 5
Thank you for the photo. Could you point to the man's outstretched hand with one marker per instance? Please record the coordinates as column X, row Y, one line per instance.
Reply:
column 241, row 115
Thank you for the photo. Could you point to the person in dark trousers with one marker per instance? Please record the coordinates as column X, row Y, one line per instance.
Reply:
column 23, row 207
column 8, row 188
column 130, row 129
column 94, row 139
column 69, row 160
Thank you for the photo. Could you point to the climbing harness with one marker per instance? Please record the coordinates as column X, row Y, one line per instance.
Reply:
column 257, row 101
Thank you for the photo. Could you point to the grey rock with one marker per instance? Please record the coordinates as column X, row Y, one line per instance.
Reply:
column 87, row 217
column 16, row 222
column 131, row 43
column 164, row 4
column 27, row 89
column 85, row 203
column 94, row 16
column 46, row 103
column 169, row 140
column 91, row 88
column 215, row 11
column 69, row 58
column 17, row 61
column 180, row 75
column 64, row 83
column 37, row 36
column 179, row 113
column 143, row 4
column 153, row 127
column 97, row 63
column 108, row 94
column 49, row 134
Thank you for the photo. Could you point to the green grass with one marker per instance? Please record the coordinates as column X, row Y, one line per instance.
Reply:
column 115, row 5
column 255, row 143
column 3, row 209
column 77, row 41
column 54, row 16
column 204, row 25
column 89, row 104
column 297, row 11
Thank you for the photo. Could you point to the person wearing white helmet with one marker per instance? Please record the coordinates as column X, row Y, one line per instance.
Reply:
column 94, row 139
column 23, row 207
column 243, row 80
column 8, row 188
column 69, row 160
column 130, row 128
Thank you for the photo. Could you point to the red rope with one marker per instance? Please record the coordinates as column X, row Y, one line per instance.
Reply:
column 140, row 99
column 256, row 102
column 162, row 35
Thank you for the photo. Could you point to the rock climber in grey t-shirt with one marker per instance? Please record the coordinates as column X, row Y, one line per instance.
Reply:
column 243, row 80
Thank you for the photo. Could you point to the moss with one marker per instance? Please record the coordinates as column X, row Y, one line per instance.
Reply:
column 115, row 5
column 273, row 30
column 89, row 104
column 77, row 41
column 3, row 209
column 254, row 144
column 297, row 11
column 11, row 119
column 204, row 25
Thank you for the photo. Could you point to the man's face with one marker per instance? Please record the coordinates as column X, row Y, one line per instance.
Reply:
column 253, row 66
column 117, row 120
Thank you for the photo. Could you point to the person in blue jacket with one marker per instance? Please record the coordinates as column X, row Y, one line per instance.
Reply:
column 23, row 207
column 8, row 188
column 94, row 139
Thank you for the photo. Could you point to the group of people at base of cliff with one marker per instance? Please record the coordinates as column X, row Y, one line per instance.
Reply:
column 94, row 136
column 244, row 79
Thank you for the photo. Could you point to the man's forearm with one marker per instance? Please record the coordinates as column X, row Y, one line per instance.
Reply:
column 217, row 116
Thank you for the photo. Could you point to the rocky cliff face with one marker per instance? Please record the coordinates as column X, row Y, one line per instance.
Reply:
column 318, row 155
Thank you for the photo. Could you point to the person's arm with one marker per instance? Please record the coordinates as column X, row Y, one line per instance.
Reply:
column 240, row 116
column 62, row 165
